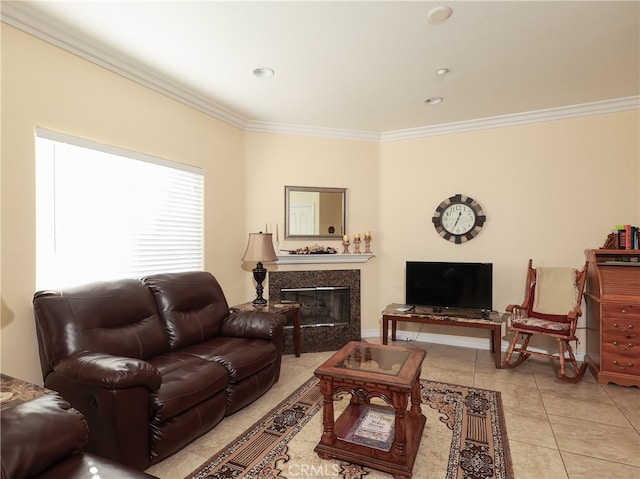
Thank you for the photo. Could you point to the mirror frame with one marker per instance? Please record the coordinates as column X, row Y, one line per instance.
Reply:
column 311, row 189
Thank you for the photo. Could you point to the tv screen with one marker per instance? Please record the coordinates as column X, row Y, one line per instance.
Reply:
column 450, row 285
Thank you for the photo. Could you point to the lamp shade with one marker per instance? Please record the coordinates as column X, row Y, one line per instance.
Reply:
column 260, row 248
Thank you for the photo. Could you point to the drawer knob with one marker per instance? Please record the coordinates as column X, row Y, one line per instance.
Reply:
column 628, row 366
column 623, row 311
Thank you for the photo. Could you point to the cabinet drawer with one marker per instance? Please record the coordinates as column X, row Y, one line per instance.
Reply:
column 626, row 326
column 621, row 344
column 621, row 363
column 621, row 310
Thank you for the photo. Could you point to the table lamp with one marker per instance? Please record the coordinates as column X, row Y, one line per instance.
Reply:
column 259, row 249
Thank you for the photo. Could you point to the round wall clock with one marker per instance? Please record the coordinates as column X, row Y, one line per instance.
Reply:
column 459, row 218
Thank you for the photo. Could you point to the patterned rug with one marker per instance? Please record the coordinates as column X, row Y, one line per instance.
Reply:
column 465, row 437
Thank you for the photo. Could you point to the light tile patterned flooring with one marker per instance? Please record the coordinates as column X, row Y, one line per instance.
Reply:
column 556, row 429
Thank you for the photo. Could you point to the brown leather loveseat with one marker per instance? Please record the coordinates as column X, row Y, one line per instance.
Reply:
column 41, row 439
column 154, row 363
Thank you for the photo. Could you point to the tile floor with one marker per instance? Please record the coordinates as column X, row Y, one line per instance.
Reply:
column 556, row 430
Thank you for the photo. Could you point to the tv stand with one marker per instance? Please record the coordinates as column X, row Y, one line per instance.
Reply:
column 488, row 320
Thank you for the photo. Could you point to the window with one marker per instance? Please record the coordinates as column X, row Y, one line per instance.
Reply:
column 105, row 213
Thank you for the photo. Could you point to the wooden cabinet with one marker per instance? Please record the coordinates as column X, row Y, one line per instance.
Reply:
column 613, row 316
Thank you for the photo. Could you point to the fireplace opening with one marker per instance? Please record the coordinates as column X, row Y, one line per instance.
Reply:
column 319, row 306
column 335, row 330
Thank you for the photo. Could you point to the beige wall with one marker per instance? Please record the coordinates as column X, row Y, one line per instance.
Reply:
column 549, row 190
column 43, row 86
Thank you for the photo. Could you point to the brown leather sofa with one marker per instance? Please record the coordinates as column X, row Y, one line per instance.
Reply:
column 41, row 439
column 152, row 364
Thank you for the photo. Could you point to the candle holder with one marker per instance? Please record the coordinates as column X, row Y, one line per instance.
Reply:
column 346, row 247
column 356, row 243
column 367, row 244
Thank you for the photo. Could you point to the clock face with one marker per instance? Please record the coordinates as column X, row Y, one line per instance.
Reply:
column 458, row 219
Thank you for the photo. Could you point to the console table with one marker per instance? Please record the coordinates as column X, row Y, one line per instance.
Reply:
column 291, row 310
column 424, row 315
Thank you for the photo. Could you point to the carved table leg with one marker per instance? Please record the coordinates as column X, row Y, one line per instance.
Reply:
column 400, row 434
column 328, row 432
column 415, row 397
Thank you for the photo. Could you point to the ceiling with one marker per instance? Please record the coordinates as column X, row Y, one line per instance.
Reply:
column 360, row 66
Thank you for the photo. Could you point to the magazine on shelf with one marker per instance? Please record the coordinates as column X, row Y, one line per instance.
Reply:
column 374, row 427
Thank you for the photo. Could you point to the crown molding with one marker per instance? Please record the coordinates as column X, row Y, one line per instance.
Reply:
column 292, row 129
column 550, row 114
column 21, row 16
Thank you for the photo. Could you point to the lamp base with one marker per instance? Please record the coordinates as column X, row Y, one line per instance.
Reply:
column 259, row 274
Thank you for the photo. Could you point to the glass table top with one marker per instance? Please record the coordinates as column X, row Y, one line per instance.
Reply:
column 375, row 359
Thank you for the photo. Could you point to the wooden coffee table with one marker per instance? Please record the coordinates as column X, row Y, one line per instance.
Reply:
column 367, row 371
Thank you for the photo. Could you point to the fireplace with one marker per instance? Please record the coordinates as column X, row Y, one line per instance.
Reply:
column 320, row 306
column 330, row 306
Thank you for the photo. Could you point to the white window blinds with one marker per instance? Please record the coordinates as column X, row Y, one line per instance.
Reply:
column 105, row 213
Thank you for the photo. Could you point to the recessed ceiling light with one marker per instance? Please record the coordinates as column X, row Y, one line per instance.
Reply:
column 438, row 15
column 433, row 101
column 263, row 72
column 442, row 71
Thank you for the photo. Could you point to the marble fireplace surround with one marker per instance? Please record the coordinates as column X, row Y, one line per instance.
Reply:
column 320, row 338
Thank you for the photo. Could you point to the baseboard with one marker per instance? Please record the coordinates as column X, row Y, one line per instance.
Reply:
column 451, row 340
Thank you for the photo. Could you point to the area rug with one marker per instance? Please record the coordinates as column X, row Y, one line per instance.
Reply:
column 465, row 437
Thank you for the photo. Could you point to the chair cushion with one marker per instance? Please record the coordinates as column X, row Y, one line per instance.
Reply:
column 537, row 324
column 186, row 381
column 241, row 357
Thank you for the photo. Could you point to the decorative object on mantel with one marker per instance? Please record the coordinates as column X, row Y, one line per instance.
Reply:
column 345, row 244
column 367, row 242
column 356, row 243
column 315, row 249
column 260, row 249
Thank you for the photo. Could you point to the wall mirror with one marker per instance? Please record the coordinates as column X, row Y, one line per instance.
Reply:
column 314, row 213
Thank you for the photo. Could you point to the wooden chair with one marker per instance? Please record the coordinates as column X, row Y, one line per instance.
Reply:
column 551, row 308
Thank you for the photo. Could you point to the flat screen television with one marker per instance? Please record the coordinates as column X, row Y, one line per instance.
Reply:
column 446, row 285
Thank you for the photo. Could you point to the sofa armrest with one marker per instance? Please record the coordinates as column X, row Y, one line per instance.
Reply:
column 38, row 433
column 253, row 324
column 110, row 372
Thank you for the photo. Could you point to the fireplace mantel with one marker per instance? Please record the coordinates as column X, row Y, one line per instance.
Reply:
column 324, row 258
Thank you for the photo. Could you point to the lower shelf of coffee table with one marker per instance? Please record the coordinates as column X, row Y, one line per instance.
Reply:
column 388, row 461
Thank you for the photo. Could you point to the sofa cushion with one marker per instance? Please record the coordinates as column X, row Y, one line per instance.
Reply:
column 113, row 317
column 191, row 304
column 241, row 357
column 243, row 393
column 180, row 430
column 187, row 380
